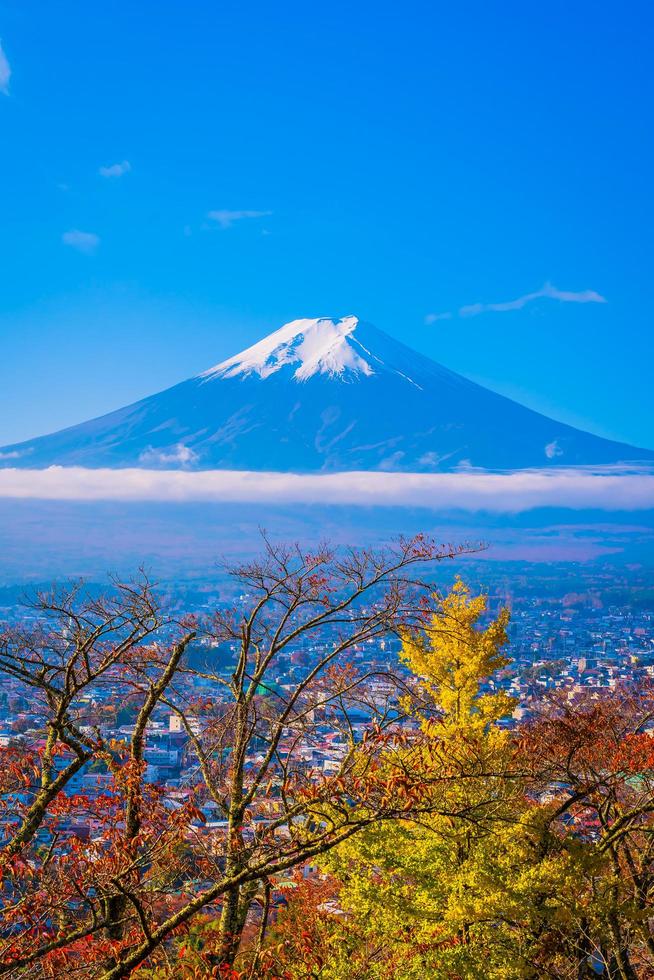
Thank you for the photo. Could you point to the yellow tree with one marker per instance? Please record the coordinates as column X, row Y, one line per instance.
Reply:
column 490, row 890
column 403, row 885
column 537, row 860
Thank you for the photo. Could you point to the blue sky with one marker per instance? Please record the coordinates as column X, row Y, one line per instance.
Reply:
column 398, row 161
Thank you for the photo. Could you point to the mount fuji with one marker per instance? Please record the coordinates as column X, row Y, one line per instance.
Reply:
column 323, row 395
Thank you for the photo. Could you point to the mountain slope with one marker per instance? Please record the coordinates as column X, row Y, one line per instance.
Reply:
column 323, row 395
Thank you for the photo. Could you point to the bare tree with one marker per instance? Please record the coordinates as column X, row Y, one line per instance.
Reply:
column 256, row 747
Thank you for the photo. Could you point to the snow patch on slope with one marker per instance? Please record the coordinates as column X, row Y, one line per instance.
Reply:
column 320, row 346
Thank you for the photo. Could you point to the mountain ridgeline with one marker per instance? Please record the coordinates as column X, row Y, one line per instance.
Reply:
column 323, row 395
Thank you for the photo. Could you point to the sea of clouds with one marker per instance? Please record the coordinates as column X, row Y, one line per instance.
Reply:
column 609, row 489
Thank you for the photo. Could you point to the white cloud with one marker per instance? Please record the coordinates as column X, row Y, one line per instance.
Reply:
column 548, row 291
column 608, row 489
column 180, row 454
column 84, row 241
column 227, row 218
column 5, row 72
column 553, row 449
column 116, row 169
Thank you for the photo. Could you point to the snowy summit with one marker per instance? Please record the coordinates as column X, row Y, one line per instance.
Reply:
column 319, row 346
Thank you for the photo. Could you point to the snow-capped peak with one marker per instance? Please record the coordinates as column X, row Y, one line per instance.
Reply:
column 319, row 346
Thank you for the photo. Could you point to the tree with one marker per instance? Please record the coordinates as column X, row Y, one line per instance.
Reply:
column 402, row 885
column 60, row 892
column 113, row 902
column 544, row 866
column 592, row 762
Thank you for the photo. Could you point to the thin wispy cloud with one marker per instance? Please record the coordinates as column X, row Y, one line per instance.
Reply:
column 5, row 72
column 225, row 219
column 116, row 169
column 83, row 241
column 548, row 291
column 476, row 491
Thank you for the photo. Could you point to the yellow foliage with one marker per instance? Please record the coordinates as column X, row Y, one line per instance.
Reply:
column 453, row 656
column 433, row 887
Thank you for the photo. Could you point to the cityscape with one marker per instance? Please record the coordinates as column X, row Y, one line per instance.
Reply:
column 576, row 642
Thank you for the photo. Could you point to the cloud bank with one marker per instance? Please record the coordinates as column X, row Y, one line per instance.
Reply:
column 548, row 291
column 5, row 72
column 473, row 491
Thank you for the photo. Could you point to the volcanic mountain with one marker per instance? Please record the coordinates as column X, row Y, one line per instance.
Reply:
column 323, row 395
